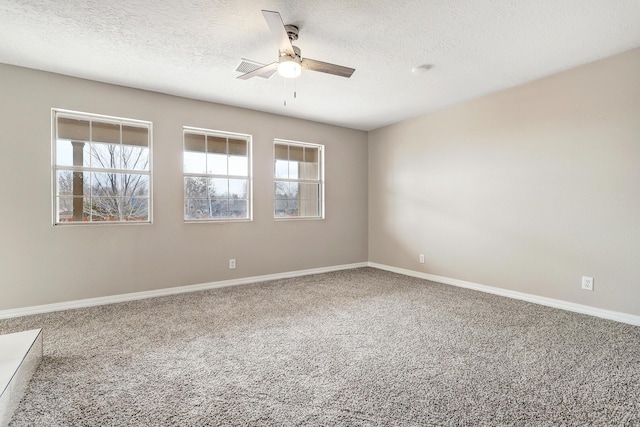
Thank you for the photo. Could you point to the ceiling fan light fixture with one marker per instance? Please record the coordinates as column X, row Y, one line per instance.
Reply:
column 289, row 67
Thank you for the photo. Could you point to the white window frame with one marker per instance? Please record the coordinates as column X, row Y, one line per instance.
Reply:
column 320, row 181
column 55, row 167
column 248, row 177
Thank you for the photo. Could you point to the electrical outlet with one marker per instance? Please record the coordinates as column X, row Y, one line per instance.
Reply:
column 421, row 258
column 587, row 283
column 232, row 264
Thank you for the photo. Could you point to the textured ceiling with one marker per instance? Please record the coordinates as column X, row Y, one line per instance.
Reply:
column 192, row 47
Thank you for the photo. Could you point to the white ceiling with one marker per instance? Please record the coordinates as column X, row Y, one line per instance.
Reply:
column 192, row 47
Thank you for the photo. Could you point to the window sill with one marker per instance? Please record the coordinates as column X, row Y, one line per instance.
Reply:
column 216, row 221
column 298, row 218
column 99, row 223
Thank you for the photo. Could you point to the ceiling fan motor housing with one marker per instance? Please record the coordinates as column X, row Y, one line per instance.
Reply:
column 297, row 57
column 292, row 32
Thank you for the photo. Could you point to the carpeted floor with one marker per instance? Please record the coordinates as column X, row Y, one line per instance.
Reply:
column 360, row 347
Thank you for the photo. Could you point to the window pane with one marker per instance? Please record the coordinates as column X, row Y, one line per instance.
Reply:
column 281, row 189
column 117, row 157
column 134, row 185
column 195, row 187
column 65, row 208
column 238, row 166
column 292, row 208
column 105, row 208
column 196, row 208
column 309, row 191
column 296, row 153
column 309, row 171
column 135, row 209
column 281, row 152
column 219, row 208
column 238, row 188
column 311, row 154
column 284, row 208
column 64, row 153
column 218, row 188
column 281, row 169
column 135, row 158
column 237, row 147
column 73, row 129
column 194, row 142
column 238, row 208
column 280, row 207
column 216, row 144
column 135, row 135
column 293, row 170
column 105, row 184
column 81, row 153
column 293, row 190
column 84, row 209
column 309, row 208
column 105, row 156
column 217, row 164
column 105, row 132
column 195, row 162
column 68, row 185
column 65, row 183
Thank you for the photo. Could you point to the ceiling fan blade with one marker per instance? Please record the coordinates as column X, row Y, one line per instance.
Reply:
column 325, row 67
column 259, row 71
column 274, row 21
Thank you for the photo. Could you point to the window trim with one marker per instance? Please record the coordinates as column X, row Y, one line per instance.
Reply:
column 321, row 179
column 72, row 114
column 249, row 177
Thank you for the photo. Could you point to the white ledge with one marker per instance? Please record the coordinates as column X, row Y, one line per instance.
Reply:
column 20, row 355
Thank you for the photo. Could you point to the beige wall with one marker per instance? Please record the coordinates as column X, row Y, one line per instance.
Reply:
column 42, row 264
column 527, row 189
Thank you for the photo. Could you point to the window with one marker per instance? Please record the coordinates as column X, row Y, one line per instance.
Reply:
column 217, row 175
column 101, row 168
column 298, row 180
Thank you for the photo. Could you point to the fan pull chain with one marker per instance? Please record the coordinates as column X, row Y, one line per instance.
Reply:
column 286, row 89
column 284, row 86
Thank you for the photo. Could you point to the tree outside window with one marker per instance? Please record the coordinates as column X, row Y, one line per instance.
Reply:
column 217, row 175
column 102, row 169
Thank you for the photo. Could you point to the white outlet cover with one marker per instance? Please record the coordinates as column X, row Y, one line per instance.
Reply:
column 587, row 283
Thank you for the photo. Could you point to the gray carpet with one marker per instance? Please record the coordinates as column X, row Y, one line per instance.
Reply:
column 359, row 347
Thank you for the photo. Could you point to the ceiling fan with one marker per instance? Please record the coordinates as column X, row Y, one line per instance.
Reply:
column 290, row 62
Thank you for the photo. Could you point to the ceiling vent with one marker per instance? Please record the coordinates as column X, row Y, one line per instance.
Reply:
column 247, row 66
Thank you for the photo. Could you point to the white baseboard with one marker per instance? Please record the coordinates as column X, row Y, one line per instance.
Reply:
column 90, row 302
column 550, row 302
